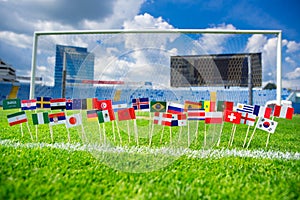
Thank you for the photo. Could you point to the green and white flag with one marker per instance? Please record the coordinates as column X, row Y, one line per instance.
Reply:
column 40, row 118
column 106, row 116
column 11, row 104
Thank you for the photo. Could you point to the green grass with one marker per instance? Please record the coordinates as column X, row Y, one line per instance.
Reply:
column 48, row 173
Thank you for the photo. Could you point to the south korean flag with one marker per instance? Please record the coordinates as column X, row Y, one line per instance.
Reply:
column 266, row 124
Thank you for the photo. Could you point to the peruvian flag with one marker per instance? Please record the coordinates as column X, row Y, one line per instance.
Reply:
column 283, row 112
column 232, row 117
column 213, row 117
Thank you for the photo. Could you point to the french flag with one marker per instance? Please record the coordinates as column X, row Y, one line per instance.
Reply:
column 262, row 111
column 175, row 108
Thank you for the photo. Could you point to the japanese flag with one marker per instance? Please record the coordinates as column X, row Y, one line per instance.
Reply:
column 73, row 120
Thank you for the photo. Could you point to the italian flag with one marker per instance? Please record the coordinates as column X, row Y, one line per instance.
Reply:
column 105, row 116
column 17, row 118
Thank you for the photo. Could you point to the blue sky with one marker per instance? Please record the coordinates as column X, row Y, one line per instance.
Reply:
column 20, row 18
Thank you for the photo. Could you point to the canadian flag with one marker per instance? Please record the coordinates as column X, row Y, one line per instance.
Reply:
column 283, row 112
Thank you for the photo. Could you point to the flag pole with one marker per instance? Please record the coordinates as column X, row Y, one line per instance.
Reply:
column 188, row 133
column 170, row 134
column 233, row 135
column 219, row 140
column 21, row 127
column 69, row 138
column 151, row 134
column 51, row 133
column 251, row 137
column 204, row 142
column 29, row 131
column 100, row 135
column 113, row 129
column 128, row 131
column 36, row 133
column 197, row 127
column 162, row 134
column 232, row 128
column 245, row 140
column 136, row 132
column 268, row 138
column 104, row 133
column 120, row 138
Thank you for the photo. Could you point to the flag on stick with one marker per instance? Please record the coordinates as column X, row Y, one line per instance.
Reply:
column 28, row 104
column 232, row 117
column 262, row 111
column 266, row 124
column 175, row 108
column 73, row 120
column 105, row 105
column 213, row 117
column 40, row 118
column 43, row 102
column 117, row 105
column 283, row 112
column 69, row 104
column 158, row 106
column 248, row 118
column 141, row 104
column 191, row 105
column 11, row 104
column 197, row 114
column 105, row 116
column 17, row 118
column 126, row 114
column 224, row 105
column 76, row 104
column 245, row 108
column 58, row 104
column 57, row 118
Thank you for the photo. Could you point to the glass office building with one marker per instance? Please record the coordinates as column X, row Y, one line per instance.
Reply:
column 78, row 64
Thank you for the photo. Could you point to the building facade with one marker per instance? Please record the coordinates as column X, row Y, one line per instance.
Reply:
column 78, row 64
column 216, row 70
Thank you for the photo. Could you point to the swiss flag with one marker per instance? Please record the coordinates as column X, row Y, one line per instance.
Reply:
column 232, row 117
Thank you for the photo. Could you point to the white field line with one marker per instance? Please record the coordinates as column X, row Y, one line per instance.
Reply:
column 165, row 151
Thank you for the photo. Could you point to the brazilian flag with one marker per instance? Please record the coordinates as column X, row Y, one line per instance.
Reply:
column 158, row 106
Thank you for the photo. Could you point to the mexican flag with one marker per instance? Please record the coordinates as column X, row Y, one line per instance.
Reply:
column 105, row 116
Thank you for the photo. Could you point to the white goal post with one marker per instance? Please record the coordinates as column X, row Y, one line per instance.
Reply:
column 174, row 31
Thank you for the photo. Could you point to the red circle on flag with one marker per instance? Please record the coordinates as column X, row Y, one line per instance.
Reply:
column 266, row 124
column 73, row 120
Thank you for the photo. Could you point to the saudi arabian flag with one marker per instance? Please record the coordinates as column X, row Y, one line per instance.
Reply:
column 105, row 116
column 11, row 104
column 40, row 118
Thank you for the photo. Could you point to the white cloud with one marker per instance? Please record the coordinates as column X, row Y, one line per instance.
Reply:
column 294, row 75
column 290, row 61
column 256, row 43
column 214, row 43
column 19, row 40
column 292, row 46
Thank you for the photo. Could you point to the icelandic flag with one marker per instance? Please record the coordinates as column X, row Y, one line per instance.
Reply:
column 141, row 104
column 175, row 108
column 57, row 118
column 28, row 104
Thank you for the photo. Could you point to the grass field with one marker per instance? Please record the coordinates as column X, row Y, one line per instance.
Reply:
column 45, row 170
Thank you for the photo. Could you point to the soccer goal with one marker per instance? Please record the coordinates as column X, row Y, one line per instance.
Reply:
column 176, row 63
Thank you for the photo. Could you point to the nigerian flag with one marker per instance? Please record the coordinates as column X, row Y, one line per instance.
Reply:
column 40, row 118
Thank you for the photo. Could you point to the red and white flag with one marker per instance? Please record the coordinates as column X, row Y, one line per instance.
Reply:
column 198, row 114
column 248, row 118
column 213, row 117
column 283, row 112
column 73, row 120
column 158, row 118
column 167, row 119
column 232, row 117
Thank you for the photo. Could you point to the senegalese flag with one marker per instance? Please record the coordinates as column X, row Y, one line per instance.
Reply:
column 11, row 104
column 207, row 106
column 17, row 118
column 158, row 106
column 105, row 116
column 40, row 118
column 43, row 102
